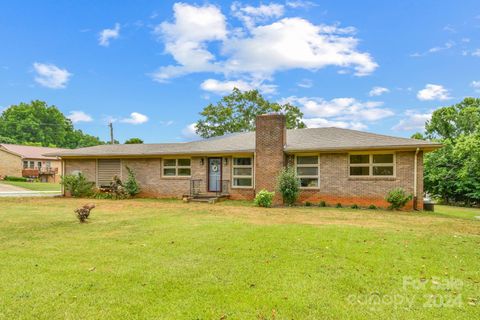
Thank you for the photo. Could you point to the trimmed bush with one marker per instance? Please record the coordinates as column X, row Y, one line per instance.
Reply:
column 397, row 198
column 264, row 198
column 288, row 185
column 308, row 204
column 339, row 205
column 354, row 206
column 131, row 185
column 322, row 204
column 20, row 179
column 77, row 185
column 372, row 207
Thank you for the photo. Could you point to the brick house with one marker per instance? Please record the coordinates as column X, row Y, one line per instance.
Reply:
column 30, row 162
column 334, row 165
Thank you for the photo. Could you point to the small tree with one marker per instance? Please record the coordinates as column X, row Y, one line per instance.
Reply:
column 134, row 141
column 131, row 185
column 288, row 185
column 397, row 198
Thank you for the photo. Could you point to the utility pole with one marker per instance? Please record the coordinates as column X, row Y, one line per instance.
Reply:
column 111, row 133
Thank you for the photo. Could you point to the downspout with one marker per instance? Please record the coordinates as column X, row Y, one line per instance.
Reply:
column 63, row 175
column 415, row 175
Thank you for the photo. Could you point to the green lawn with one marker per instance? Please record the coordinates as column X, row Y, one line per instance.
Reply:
column 169, row 260
column 35, row 186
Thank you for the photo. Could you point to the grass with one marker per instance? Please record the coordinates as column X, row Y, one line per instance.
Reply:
column 34, row 186
column 170, row 260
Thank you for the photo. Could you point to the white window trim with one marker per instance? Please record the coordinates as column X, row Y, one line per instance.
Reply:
column 309, row 166
column 370, row 165
column 242, row 176
column 176, row 167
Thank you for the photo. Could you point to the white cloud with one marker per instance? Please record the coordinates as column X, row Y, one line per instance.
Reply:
column 106, row 35
column 475, row 85
column 250, row 15
column 135, row 118
column 447, row 45
column 51, row 76
column 339, row 112
column 322, row 122
column 226, row 87
column 414, row 121
column 433, row 92
column 378, row 91
column 79, row 116
column 186, row 39
column 256, row 52
column 341, row 108
column 476, row 53
column 305, row 83
column 189, row 131
column 300, row 4
column 167, row 123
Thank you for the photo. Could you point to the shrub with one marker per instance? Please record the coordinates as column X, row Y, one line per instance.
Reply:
column 20, row 179
column 339, row 205
column 131, row 185
column 288, row 185
column 354, row 206
column 397, row 198
column 322, row 204
column 308, row 204
column 372, row 207
column 77, row 185
column 117, row 189
column 84, row 212
column 264, row 198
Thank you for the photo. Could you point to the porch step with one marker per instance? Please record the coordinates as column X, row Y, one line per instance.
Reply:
column 206, row 198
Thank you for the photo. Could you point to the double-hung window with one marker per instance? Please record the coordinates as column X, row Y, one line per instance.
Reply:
column 242, row 172
column 307, row 171
column 381, row 164
column 177, row 167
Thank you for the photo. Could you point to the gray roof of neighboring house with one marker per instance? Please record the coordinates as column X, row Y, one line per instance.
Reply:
column 31, row 152
column 317, row 139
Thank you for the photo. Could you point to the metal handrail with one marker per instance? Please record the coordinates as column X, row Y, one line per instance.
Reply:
column 195, row 187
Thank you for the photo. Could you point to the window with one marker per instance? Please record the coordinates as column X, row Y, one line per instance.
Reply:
column 39, row 164
column 242, row 172
column 177, row 168
column 48, row 164
column 31, row 164
column 372, row 164
column 307, row 171
column 25, row 164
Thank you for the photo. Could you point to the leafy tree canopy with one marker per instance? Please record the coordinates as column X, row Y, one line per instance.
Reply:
column 453, row 172
column 40, row 124
column 134, row 141
column 237, row 111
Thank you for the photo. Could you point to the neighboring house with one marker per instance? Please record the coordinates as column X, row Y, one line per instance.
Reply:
column 335, row 165
column 30, row 162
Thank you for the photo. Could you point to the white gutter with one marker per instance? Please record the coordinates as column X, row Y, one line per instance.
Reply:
column 415, row 175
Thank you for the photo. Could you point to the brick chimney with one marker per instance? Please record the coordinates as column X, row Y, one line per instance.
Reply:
column 270, row 139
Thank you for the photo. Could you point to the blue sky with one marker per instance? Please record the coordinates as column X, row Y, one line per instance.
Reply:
column 151, row 66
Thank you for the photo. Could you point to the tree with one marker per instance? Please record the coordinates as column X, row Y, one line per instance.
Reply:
column 418, row 136
column 36, row 122
column 7, row 140
column 452, row 173
column 237, row 111
column 134, row 141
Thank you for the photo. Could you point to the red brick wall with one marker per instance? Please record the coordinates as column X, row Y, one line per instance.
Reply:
column 270, row 139
column 337, row 187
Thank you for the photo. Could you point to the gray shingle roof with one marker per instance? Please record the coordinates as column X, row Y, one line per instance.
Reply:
column 317, row 139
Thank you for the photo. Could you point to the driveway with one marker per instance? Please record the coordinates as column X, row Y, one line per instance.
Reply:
column 7, row 190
